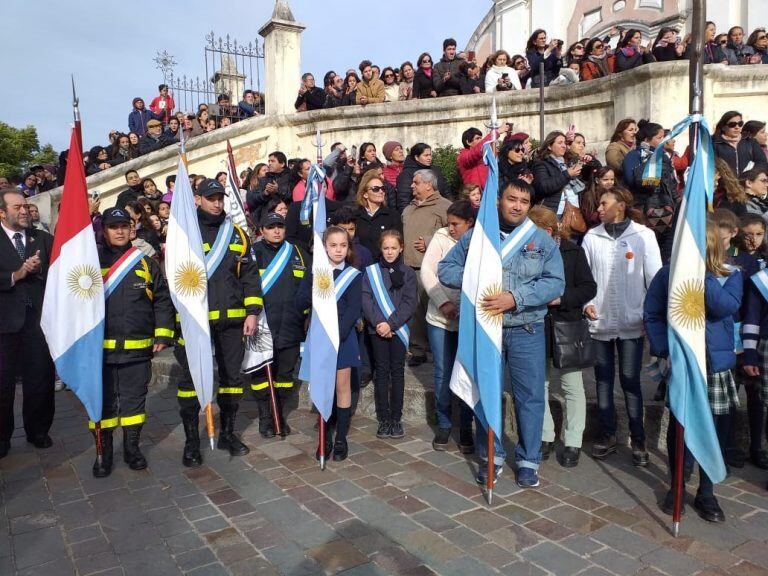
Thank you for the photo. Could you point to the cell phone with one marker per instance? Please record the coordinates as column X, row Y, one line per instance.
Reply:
column 353, row 152
column 572, row 128
column 95, row 195
column 505, row 76
column 678, row 40
column 559, row 43
column 471, row 56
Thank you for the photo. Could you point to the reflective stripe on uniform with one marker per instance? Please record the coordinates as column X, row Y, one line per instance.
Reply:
column 236, row 247
column 206, row 247
column 298, row 273
column 133, row 420
column 230, row 390
column 106, row 423
column 128, row 344
column 163, row 333
column 231, row 313
column 259, row 386
column 186, row 394
column 253, row 301
column 180, row 341
column 284, row 384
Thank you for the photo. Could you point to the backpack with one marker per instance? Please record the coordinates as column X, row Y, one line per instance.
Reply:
column 655, row 199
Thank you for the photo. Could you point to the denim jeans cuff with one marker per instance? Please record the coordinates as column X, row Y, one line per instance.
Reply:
column 526, row 464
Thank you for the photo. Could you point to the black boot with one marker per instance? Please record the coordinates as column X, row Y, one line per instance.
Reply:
column 131, row 453
column 284, row 428
column 192, row 457
column 227, row 439
column 266, row 427
column 103, row 467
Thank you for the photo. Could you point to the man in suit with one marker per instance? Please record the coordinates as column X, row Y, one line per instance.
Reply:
column 24, row 257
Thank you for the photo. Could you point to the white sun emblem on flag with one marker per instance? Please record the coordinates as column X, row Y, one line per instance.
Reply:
column 84, row 281
column 190, row 279
column 323, row 284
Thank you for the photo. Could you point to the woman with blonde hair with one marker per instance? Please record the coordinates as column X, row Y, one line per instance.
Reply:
column 373, row 214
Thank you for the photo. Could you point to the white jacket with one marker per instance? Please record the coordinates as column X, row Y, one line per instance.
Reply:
column 623, row 269
column 494, row 73
column 438, row 294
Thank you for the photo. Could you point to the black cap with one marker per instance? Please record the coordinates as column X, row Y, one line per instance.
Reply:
column 210, row 187
column 271, row 219
column 115, row 216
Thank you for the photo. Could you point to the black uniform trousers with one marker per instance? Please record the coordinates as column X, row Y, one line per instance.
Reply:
column 229, row 350
column 283, row 364
column 125, row 394
column 25, row 354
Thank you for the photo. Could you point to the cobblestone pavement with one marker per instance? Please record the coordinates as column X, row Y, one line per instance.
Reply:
column 394, row 507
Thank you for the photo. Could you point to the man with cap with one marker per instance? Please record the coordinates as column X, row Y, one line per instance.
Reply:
column 139, row 116
column 234, row 302
column 138, row 321
column 153, row 139
column 282, row 267
column 395, row 157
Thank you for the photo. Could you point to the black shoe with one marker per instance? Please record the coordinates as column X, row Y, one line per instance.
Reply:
column 570, row 457
column 668, row 504
column 4, row 448
column 102, row 467
column 227, row 438
column 131, row 453
column 396, row 430
column 41, row 441
column 365, row 380
column 604, row 447
column 266, row 424
column 466, row 441
column 708, row 509
column 546, row 450
column 328, row 446
column 482, row 473
column 191, row 458
column 735, row 458
column 284, row 428
column 759, row 459
column 416, row 361
column 640, row 455
column 383, row 430
column 440, row 441
column 340, row 450
column 661, row 391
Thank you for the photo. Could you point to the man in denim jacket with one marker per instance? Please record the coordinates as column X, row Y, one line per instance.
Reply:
column 533, row 276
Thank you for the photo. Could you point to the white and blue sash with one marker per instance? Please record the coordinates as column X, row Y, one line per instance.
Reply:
column 343, row 281
column 384, row 301
column 119, row 269
column 220, row 247
column 272, row 272
column 516, row 239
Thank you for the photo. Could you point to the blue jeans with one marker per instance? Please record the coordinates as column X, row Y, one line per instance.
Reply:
column 630, row 362
column 524, row 353
column 444, row 345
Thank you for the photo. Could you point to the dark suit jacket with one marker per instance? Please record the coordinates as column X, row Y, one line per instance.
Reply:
column 12, row 298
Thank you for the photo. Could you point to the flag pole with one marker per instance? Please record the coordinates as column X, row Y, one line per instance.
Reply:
column 209, row 423
column 321, row 429
column 696, row 107
column 321, row 423
column 76, row 114
column 273, row 401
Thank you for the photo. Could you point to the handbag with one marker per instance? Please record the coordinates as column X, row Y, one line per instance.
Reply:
column 572, row 345
column 572, row 220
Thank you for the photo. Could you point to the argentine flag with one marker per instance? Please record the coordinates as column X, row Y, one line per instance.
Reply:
column 188, row 284
column 477, row 372
column 73, row 309
column 688, row 398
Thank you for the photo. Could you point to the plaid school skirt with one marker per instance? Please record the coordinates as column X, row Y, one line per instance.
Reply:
column 721, row 389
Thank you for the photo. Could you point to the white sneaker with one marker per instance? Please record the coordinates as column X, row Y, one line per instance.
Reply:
column 59, row 385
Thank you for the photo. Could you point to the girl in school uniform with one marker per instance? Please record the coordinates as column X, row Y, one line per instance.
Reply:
column 389, row 301
column 348, row 281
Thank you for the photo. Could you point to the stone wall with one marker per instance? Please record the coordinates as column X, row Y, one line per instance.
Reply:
column 658, row 91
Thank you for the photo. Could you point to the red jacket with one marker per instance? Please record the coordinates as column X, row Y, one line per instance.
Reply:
column 391, row 172
column 471, row 166
column 166, row 112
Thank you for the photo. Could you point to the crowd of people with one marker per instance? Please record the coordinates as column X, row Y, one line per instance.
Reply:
column 587, row 250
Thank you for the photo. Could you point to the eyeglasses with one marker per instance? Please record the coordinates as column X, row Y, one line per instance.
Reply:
column 376, row 188
column 723, row 42
column 578, row 47
column 740, row 123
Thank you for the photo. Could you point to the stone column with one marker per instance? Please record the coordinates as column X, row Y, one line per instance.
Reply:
column 282, row 59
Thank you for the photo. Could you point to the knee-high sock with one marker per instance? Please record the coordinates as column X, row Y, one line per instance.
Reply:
column 342, row 422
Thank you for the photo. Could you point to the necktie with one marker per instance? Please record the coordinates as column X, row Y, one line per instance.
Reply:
column 19, row 245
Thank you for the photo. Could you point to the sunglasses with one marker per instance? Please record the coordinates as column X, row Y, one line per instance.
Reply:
column 578, row 47
column 597, row 47
column 740, row 123
column 517, row 149
column 723, row 42
column 426, row 61
column 763, row 37
column 389, row 75
column 376, row 188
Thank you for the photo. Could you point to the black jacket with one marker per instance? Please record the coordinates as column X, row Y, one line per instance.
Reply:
column 468, row 85
column 139, row 310
column 404, row 181
column 404, row 299
column 149, row 144
column 624, row 63
column 453, row 86
column 580, row 286
column 286, row 321
column 299, row 233
column 746, row 151
column 369, row 228
column 509, row 171
column 256, row 199
column 234, row 290
column 552, row 65
column 313, row 98
column 13, row 310
column 549, row 181
column 129, row 195
column 422, row 85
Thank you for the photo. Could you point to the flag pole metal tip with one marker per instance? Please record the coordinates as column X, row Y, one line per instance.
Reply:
column 676, row 529
column 490, row 497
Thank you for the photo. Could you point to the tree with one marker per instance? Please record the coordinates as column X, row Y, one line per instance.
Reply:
column 20, row 149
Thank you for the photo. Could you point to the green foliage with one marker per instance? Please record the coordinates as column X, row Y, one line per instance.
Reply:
column 444, row 157
column 20, row 149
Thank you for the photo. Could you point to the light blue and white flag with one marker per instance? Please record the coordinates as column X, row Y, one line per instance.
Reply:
column 477, row 372
column 688, row 398
column 323, row 337
column 185, row 267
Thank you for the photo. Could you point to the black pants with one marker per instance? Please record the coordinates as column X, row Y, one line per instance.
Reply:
column 389, row 377
column 283, row 365
column 125, row 394
column 25, row 354
column 229, row 350
column 722, row 427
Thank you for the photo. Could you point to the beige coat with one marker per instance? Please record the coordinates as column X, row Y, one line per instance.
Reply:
column 373, row 91
column 438, row 294
column 614, row 157
column 423, row 220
